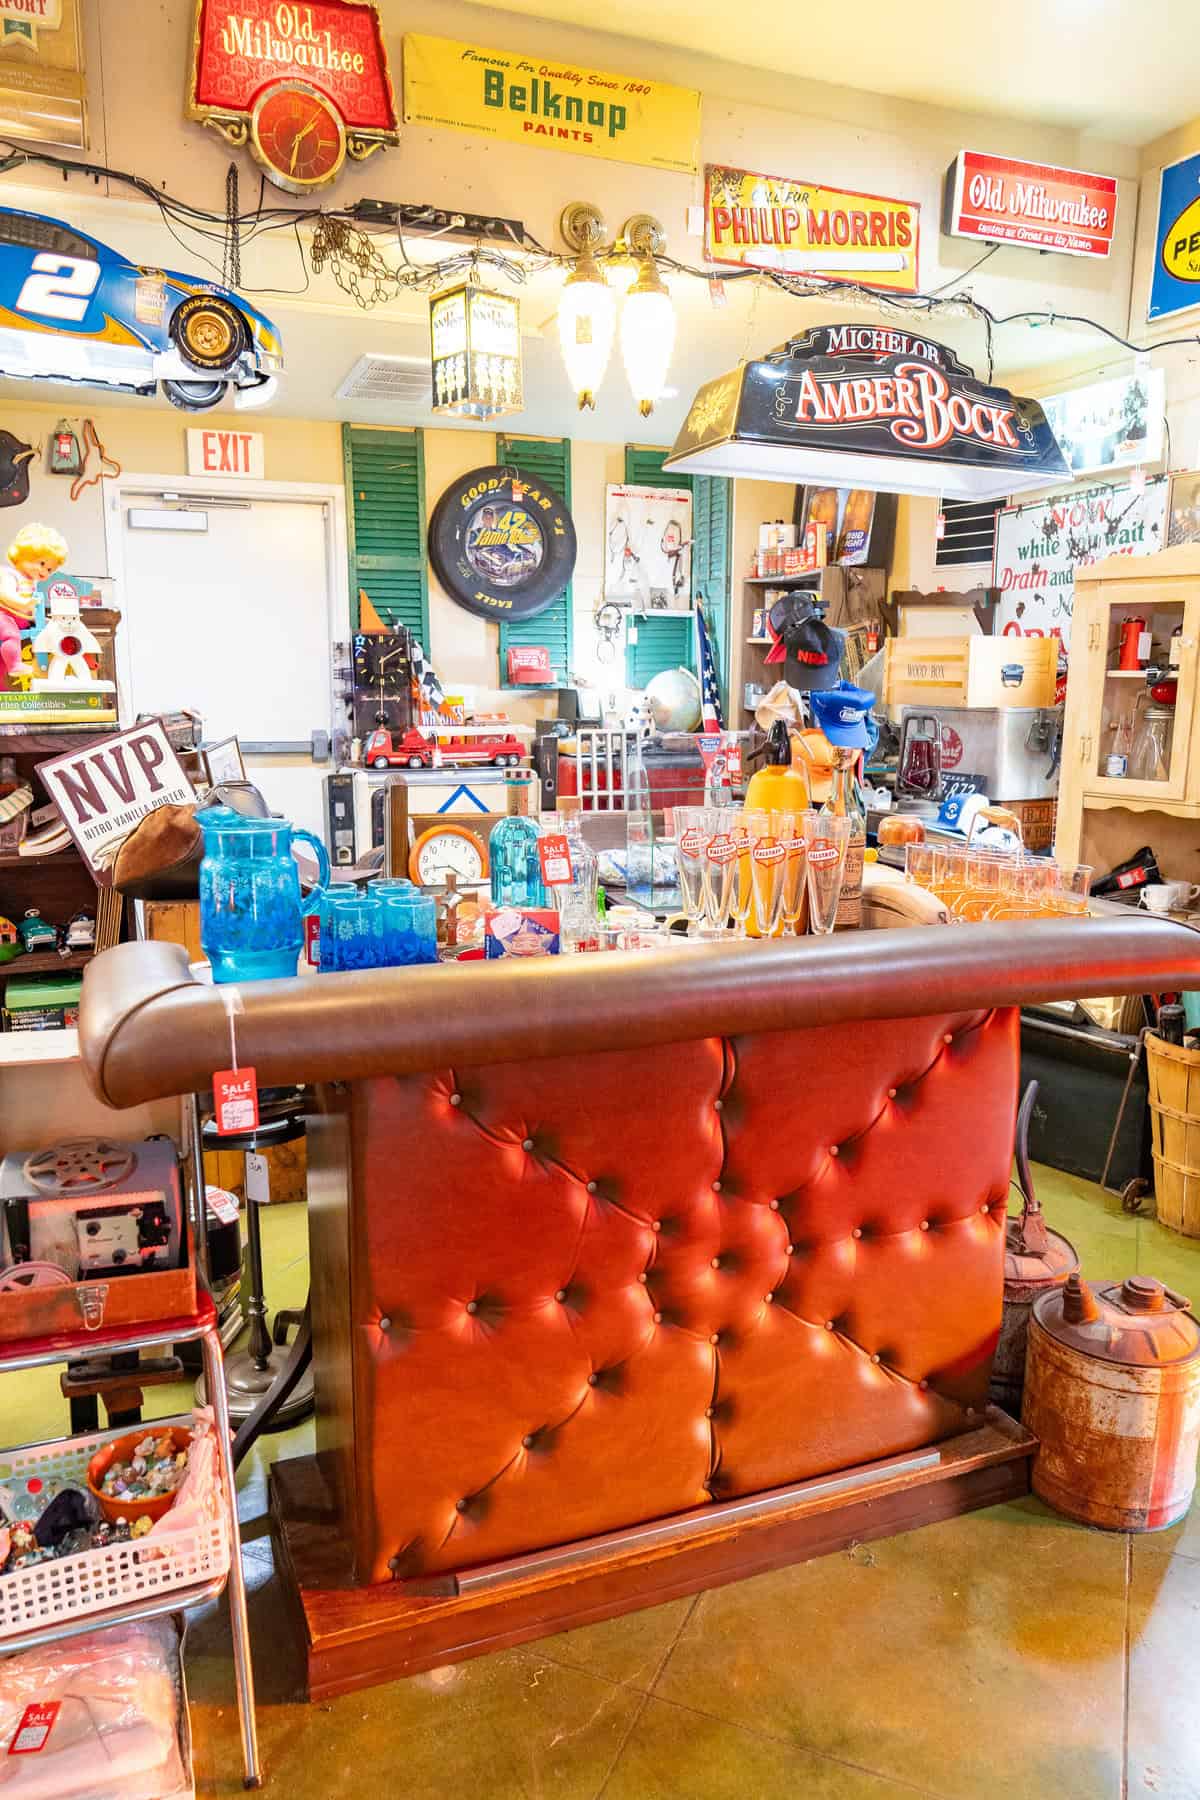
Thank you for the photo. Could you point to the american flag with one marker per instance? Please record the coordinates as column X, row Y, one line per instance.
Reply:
column 710, row 692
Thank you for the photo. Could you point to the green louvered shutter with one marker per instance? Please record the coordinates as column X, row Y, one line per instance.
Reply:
column 385, row 521
column 712, row 507
column 549, row 460
column 644, row 468
column 664, row 640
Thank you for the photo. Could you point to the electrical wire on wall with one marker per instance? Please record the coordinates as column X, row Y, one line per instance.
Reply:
column 352, row 254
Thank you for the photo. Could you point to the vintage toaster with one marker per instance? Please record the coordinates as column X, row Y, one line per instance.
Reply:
column 91, row 1207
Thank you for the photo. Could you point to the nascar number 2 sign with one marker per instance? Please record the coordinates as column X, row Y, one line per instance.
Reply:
column 502, row 545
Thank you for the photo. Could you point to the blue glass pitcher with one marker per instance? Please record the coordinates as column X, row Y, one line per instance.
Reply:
column 251, row 913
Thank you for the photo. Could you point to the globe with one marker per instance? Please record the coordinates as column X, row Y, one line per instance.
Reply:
column 674, row 700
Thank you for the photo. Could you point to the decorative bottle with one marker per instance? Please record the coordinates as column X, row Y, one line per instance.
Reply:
column 578, row 919
column 513, row 845
column 843, row 802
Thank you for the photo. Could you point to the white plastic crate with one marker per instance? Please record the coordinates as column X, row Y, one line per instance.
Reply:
column 75, row 1586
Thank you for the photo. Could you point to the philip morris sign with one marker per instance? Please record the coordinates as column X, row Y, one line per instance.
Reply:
column 801, row 228
column 552, row 105
column 1036, row 205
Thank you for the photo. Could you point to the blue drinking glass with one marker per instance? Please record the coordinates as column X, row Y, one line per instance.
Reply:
column 351, row 932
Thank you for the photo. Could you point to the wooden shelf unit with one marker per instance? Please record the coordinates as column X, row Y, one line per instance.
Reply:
column 59, row 885
column 1104, row 819
column 850, row 595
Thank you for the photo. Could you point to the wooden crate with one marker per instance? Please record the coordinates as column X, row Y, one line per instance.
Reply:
column 1175, row 1112
column 1037, row 821
column 970, row 671
column 175, row 922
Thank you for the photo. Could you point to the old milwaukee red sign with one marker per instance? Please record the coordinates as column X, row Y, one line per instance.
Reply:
column 284, row 75
column 1033, row 204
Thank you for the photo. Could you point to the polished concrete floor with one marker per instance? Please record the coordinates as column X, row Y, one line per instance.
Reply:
column 1008, row 1653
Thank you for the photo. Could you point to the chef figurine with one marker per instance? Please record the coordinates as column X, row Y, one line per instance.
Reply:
column 34, row 555
column 66, row 643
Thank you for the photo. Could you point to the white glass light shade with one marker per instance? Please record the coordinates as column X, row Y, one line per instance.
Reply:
column 647, row 337
column 587, row 317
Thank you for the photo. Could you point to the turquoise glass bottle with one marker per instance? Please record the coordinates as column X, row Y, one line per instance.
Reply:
column 516, row 873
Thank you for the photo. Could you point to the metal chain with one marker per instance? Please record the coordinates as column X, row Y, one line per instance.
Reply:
column 353, row 261
column 231, row 262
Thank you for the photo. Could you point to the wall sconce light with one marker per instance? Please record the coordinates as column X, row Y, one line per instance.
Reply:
column 475, row 336
column 587, row 307
column 647, row 317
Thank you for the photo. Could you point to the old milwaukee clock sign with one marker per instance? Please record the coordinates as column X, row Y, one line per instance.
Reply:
column 304, row 85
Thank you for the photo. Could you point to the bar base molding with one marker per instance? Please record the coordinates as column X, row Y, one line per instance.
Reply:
column 355, row 1637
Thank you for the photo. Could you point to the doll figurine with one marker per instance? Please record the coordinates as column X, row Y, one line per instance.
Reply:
column 35, row 553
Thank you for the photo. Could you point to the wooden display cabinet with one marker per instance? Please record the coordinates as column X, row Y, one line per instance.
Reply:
column 1103, row 818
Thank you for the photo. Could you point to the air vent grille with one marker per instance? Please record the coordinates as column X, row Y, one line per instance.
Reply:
column 400, row 379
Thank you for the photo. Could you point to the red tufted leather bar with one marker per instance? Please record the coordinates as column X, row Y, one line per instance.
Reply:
column 614, row 1241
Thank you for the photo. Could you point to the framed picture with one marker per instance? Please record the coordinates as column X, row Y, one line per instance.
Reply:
column 1184, row 526
column 648, row 548
column 1110, row 424
column 223, row 761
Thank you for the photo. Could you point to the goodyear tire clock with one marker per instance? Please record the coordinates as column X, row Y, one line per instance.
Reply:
column 502, row 544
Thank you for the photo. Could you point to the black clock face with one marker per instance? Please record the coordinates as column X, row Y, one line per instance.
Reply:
column 501, row 545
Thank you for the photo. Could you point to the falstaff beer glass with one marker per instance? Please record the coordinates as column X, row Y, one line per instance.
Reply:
column 795, row 832
column 742, row 903
column 828, row 836
column 768, row 855
column 720, row 866
column 690, row 843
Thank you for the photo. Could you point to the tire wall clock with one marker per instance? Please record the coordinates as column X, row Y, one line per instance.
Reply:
column 502, row 544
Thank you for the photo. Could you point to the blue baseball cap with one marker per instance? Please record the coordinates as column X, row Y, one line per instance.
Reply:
column 843, row 712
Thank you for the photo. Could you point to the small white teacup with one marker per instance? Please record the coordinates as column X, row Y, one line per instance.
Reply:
column 1169, row 896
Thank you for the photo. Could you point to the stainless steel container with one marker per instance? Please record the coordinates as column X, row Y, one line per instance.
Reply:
column 1010, row 749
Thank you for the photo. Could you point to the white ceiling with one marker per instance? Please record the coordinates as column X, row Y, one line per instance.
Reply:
column 1121, row 69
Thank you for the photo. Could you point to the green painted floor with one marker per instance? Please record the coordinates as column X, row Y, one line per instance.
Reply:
column 1008, row 1653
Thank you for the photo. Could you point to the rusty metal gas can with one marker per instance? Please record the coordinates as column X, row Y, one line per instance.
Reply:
column 1035, row 1260
column 1112, row 1392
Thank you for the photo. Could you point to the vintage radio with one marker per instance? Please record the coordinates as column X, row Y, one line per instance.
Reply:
column 92, row 1230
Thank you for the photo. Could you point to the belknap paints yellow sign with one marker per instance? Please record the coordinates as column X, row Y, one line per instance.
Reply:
column 550, row 103
column 797, row 228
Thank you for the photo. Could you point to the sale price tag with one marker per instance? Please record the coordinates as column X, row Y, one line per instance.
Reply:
column 34, row 1727
column 554, row 854
column 235, row 1101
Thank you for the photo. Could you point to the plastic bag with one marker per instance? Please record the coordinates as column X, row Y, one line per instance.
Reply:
column 96, row 1717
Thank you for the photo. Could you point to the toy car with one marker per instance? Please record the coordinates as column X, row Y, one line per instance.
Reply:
column 415, row 750
column 35, row 933
column 81, row 932
column 399, row 750
column 71, row 309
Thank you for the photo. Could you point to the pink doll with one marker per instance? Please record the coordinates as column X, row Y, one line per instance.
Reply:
column 35, row 553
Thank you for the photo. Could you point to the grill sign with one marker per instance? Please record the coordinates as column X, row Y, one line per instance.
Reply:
column 1032, row 204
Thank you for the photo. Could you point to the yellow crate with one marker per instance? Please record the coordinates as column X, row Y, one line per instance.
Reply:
column 970, row 671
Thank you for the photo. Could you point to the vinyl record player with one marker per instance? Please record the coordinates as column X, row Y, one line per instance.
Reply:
column 88, row 1209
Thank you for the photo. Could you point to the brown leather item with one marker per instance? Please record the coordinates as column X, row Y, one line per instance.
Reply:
column 149, row 1029
column 161, row 856
column 602, row 1242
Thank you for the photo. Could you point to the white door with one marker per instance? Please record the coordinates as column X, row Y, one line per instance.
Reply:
column 234, row 619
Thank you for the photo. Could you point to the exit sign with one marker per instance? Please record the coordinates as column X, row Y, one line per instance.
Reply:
column 238, row 453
